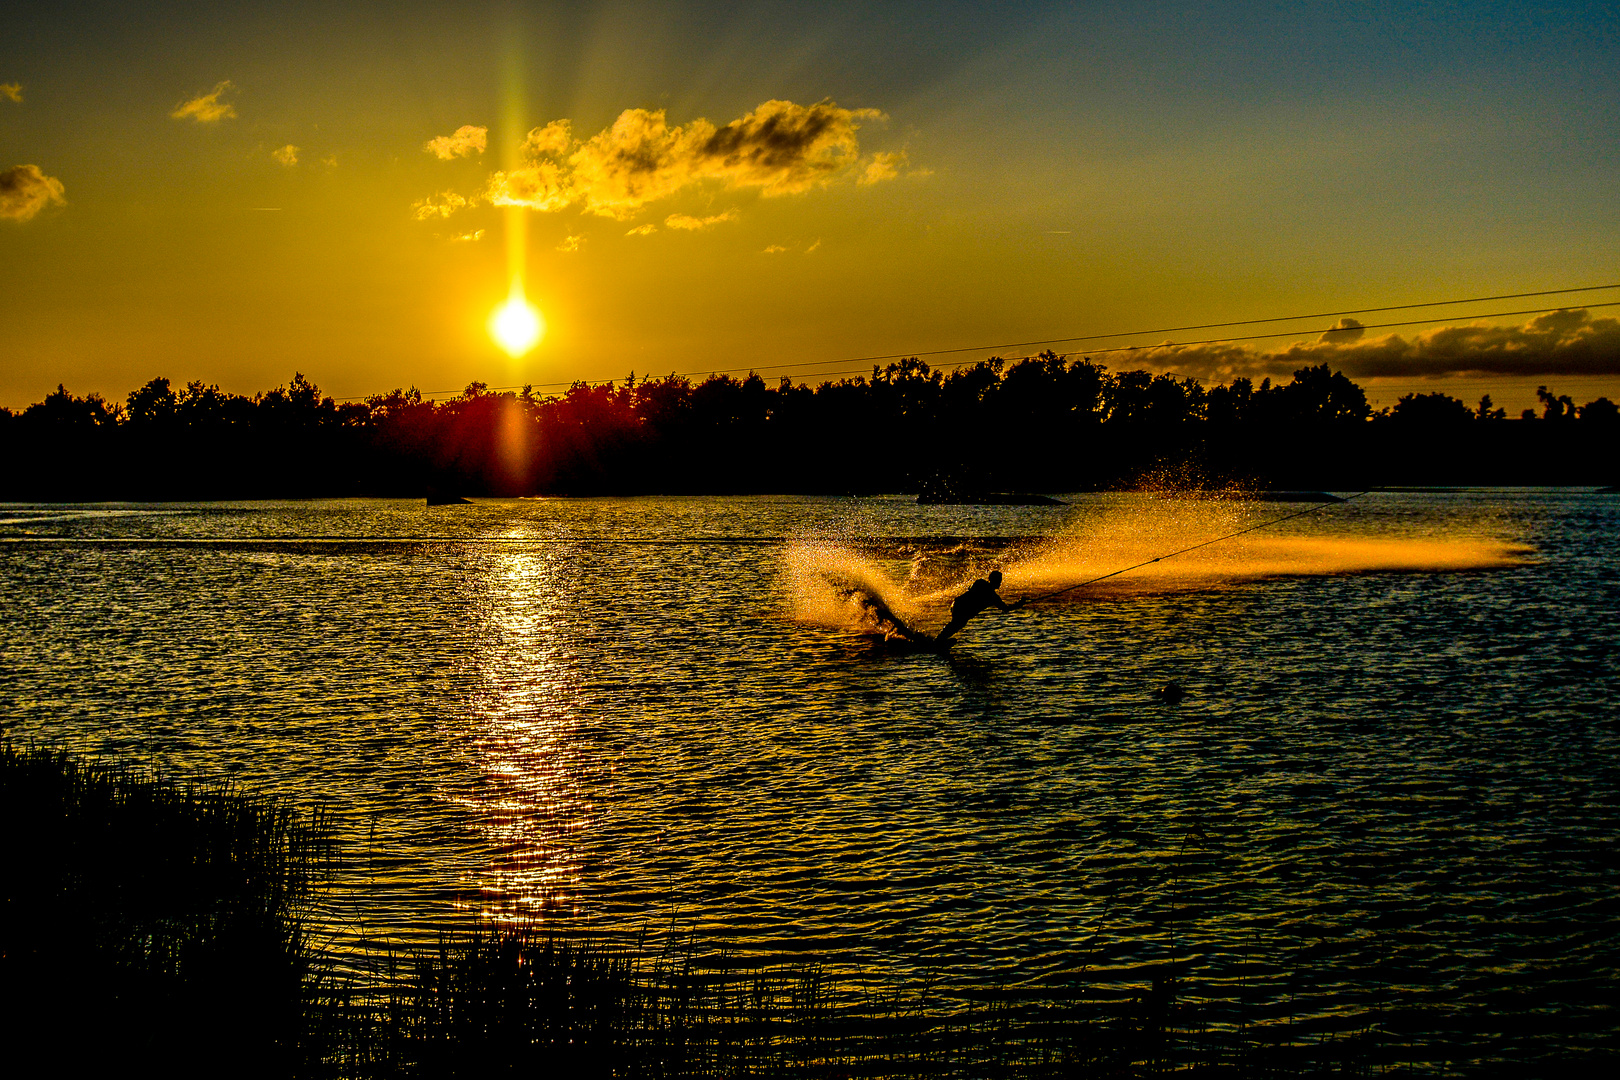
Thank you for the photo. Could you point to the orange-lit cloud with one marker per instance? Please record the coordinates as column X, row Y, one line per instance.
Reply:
column 11, row 91
column 570, row 243
column 465, row 141
column 441, row 205
column 691, row 224
column 207, row 108
column 1569, row 342
column 287, row 155
column 774, row 249
column 543, row 185
column 552, row 140
column 880, row 167
column 643, row 230
column 780, row 148
column 25, row 191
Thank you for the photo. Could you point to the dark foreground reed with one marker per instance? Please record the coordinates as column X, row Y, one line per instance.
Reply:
column 151, row 925
column 518, row 1002
column 149, row 922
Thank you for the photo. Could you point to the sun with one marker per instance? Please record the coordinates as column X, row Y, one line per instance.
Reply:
column 516, row 326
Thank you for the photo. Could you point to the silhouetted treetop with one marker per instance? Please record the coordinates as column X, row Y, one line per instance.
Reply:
column 1039, row 423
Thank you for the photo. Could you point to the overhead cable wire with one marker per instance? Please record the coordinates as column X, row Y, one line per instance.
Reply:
column 1237, row 322
column 918, row 353
column 1331, row 330
column 1137, row 348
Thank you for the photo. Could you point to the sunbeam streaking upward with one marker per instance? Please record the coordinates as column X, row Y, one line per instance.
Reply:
column 516, row 325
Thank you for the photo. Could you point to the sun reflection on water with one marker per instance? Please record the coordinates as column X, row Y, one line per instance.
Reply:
column 531, row 804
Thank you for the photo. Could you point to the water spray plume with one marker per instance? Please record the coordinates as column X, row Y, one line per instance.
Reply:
column 835, row 584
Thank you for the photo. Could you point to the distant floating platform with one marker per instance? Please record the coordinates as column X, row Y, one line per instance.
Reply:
column 992, row 498
column 1294, row 496
column 447, row 500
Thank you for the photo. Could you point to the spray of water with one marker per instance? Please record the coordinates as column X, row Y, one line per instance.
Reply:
column 855, row 587
column 832, row 584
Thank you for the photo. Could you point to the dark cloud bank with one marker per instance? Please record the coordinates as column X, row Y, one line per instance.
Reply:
column 1559, row 343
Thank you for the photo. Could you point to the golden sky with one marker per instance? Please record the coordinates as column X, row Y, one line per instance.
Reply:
column 197, row 192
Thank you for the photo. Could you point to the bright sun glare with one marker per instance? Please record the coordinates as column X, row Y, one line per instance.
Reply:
column 516, row 325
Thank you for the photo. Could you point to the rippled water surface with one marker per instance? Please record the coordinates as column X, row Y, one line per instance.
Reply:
column 1392, row 785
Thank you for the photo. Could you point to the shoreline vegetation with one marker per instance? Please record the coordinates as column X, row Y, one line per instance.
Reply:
column 153, row 920
column 1047, row 423
column 167, row 923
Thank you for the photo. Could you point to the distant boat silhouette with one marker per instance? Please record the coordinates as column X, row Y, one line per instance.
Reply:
column 435, row 497
column 945, row 490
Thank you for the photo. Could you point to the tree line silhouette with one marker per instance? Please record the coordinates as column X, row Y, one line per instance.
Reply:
column 1045, row 423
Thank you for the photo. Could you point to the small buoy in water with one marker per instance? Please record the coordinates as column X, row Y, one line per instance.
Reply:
column 1170, row 693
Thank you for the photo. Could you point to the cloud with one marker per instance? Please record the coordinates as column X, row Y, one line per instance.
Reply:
column 441, row 205
column 780, row 148
column 472, row 237
column 812, row 247
column 544, row 186
column 207, row 108
column 25, row 191
column 690, row 223
column 880, row 167
column 1567, row 342
column 783, row 148
column 570, row 243
column 774, row 249
column 642, row 230
column 553, row 140
column 465, row 141
column 11, row 91
column 636, row 161
column 1345, row 329
column 287, row 155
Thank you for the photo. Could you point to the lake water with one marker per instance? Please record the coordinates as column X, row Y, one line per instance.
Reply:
column 1391, row 790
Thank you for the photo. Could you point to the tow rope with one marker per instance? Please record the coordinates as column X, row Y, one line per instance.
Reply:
column 1194, row 547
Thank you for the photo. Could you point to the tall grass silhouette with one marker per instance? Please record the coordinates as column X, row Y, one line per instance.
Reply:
column 150, row 920
column 160, row 924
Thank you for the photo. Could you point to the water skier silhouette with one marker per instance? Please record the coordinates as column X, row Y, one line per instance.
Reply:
column 980, row 596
